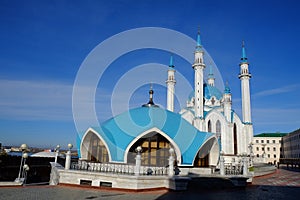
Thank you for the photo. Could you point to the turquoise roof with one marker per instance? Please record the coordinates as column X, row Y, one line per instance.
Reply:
column 209, row 91
column 244, row 57
column 227, row 89
column 171, row 61
column 121, row 130
column 199, row 45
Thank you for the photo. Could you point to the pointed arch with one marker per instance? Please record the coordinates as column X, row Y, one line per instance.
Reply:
column 207, row 154
column 218, row 128
column 139, row 140
column 209, row 126
column 93, row 147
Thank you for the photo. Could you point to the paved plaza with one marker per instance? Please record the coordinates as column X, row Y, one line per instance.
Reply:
column 283, row 184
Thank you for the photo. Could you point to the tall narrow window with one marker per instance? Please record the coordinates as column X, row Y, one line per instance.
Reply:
column 218, row 129
column 97, row 151
column 235, row 139
column 209, row 126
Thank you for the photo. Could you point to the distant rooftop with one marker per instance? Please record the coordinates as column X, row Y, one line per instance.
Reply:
column 270, row 134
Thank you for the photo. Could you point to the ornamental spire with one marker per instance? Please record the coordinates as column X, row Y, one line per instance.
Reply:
column 150, row 103
column 211, row 74
column 171, row 61
column 244, row 57
column 227, row 88
column 199, row 45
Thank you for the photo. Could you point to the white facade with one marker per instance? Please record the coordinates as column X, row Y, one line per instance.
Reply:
column 267, row 147
column 210, row 110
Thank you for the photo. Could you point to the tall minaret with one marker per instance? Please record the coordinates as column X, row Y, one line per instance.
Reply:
column 171, row 86
column 245, row 76
column 211, row 78
column 199, row 67
column 227, row 103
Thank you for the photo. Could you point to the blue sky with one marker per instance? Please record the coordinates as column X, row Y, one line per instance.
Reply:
column 43, row 44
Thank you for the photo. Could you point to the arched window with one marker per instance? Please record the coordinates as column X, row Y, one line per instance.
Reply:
column 235, row 139
column 155, row 150
column 209, row 126
column 218, row 129
column 97, row 150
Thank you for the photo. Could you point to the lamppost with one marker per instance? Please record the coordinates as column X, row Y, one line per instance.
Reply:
column 24, row 148
column 56, row 153
column 25, row 170
column 68, row 157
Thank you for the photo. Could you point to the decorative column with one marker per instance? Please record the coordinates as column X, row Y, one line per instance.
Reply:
column 138, row 161
column 222, row 164
column 171, row 162
column 68, row 157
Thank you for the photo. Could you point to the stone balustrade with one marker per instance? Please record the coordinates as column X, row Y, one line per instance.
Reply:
column 118, row 168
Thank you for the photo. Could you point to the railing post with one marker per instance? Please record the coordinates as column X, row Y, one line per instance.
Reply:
column 68, row 157
column 222, row 163
column 171, row 162
column 138, row 161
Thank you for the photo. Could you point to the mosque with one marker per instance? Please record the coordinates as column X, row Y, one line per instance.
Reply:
column 197, row 135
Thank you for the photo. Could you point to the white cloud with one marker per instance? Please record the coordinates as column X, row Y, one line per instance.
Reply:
column 280, row 90
column 31, row 100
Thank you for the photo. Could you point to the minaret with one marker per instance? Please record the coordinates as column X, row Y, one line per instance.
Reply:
column 171, row 86
column 199, row 66
column 211, row 78
column 245, row 76
column 227, row 103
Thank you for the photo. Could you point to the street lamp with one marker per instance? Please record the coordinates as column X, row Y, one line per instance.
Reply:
column 25, row 170
column 24, row 148
column 56, row 153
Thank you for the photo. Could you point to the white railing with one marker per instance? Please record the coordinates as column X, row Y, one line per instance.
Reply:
column 233, row 169
column 118, row 168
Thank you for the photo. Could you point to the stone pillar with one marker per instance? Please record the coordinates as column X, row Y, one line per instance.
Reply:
column 68, row 160
column 171, row 162
column 138, row 161
column 222, row 164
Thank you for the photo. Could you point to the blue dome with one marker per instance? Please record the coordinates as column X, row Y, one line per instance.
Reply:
column 120, row 131
column 209, row 91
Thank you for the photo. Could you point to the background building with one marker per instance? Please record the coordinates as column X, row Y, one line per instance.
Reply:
column 291, row 145
column 267, row 147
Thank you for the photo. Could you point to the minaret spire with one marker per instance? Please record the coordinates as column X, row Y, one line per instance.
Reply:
column 244, row 57
column 171, row 85
column 245, row 77
column 227, row 103
column 211, row 77
column 198, row 67
column 199, row 45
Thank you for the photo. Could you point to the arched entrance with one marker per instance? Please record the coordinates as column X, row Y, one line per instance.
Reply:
column 93, row 148
column 155, row 150
column 203, row 157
